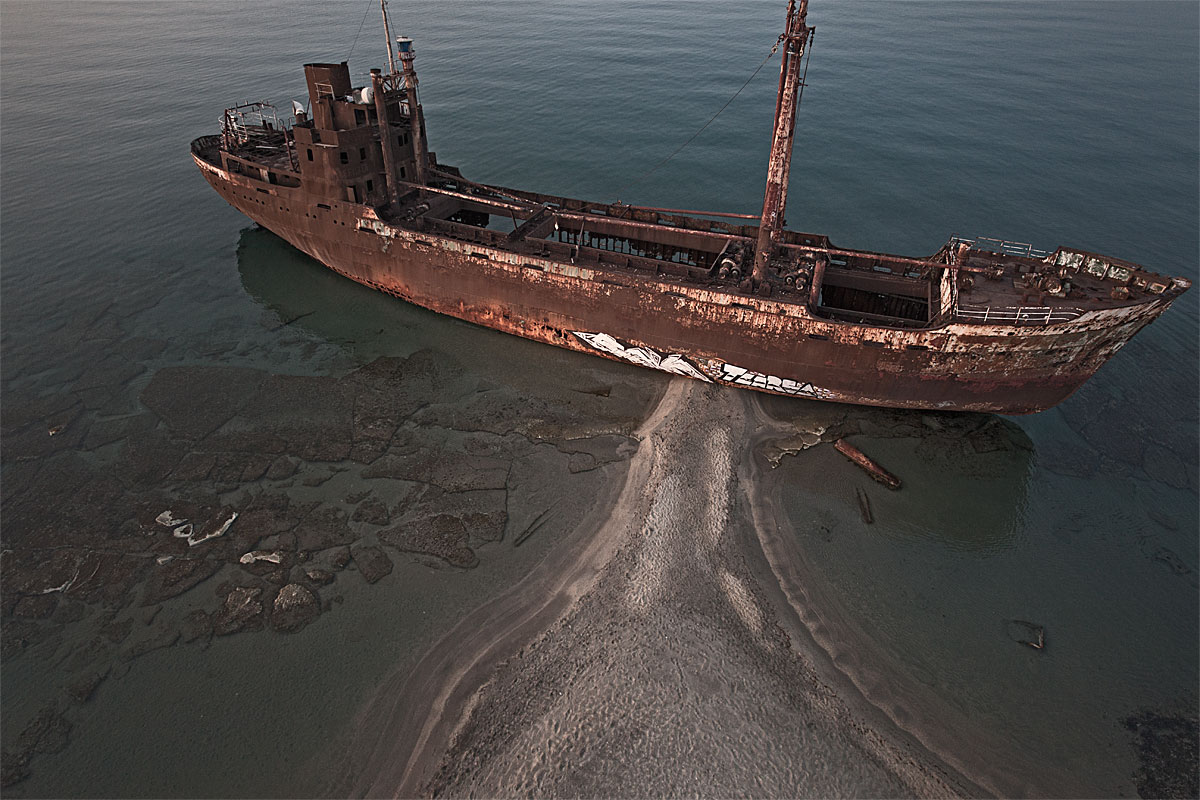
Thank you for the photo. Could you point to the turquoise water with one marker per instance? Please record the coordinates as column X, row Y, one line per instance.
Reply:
column 1073, row 123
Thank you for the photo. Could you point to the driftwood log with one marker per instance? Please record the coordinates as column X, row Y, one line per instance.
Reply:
column 873, row 469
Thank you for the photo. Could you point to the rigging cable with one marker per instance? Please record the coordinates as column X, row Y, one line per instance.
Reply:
column 812, row 37
column 360, row 27
column 655, row 168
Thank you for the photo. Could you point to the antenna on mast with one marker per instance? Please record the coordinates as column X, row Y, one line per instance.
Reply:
column 387, row 32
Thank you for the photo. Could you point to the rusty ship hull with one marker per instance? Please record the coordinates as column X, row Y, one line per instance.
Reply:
column 979, row 326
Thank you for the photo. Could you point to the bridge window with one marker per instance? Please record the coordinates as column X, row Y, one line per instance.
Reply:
column 362, row 154
column 370, row 186
column 345, row 158
column 360, row 117
column 310, row 158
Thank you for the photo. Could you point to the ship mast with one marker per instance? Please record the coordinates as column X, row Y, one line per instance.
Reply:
column 382, row 84
column 387, row 32
column 796, row 38
column 416, row 118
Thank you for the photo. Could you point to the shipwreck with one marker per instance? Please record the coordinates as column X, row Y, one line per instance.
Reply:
column 736, row 299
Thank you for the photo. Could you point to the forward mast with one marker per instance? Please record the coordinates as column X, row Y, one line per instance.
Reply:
column 796, row 38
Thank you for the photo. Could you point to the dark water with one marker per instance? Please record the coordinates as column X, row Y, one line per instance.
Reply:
column 1066, row 123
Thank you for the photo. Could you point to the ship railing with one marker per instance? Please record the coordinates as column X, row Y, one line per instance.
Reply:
column 1003, row 246
column 253, row 124
column 1015, row 315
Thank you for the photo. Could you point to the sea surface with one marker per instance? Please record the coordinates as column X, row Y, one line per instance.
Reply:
column 1072, row 123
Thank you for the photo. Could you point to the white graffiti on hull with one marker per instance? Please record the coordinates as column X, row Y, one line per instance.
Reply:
column 739, row 376
column 642, row 356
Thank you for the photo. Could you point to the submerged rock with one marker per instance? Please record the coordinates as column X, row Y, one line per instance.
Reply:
column 321, row 577
column 281, row 469
column 14, row 768
column 372, row 562
column 38, row 606
column 441, row 535
column 163, row 637
column 82, row 688
column 340, row 558
column 16, row 636
column 175, row 577
column 325, row 526
column 241, row 609
column 372, row 511
column 47, row 733
column 266, row 563
column 194, row 401
column 295, row 606
column 590, row 452
column 196, row 625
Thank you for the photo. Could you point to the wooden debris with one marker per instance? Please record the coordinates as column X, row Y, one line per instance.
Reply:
column 873, row 469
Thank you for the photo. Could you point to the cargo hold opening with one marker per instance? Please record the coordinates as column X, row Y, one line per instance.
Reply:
column 873, row 296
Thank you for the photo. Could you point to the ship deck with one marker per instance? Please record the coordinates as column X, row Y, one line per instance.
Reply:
column 999, row 281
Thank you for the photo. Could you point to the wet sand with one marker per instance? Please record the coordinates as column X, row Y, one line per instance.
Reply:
column 653, row 660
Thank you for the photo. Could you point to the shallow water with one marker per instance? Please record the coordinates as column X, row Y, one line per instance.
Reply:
column 1072, row 123
column 957, row 570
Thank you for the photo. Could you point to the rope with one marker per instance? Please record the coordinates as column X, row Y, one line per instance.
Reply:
column 360, row 27
column 812, row 37
column 705, row 125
